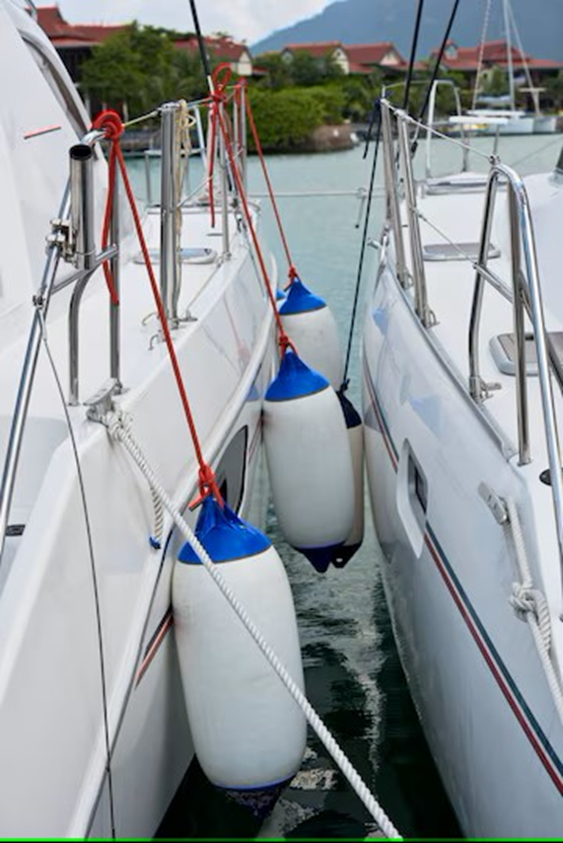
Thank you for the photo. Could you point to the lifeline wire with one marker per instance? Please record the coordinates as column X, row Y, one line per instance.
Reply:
column 118, row 432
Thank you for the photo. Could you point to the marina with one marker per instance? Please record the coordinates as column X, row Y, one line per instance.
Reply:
column 280, row 502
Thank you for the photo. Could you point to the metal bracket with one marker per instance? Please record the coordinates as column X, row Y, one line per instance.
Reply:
column 495, row 503
column 61, row 236
column 101, row 402
column 480, row 390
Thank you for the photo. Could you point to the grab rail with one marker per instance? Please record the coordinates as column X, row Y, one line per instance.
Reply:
column 42, row 301
column 525, row 295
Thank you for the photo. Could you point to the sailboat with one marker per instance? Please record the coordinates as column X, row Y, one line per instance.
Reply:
column 498, row 114
column 462, row 403
column 135, row 348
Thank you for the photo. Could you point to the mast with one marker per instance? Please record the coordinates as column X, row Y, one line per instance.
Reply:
column 509, row 55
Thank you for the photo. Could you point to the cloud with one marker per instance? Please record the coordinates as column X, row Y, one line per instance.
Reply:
column 244, row 19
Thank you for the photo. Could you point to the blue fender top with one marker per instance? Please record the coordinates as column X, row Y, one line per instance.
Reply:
column 224, row 535
column 300, row 300
column 294, row 380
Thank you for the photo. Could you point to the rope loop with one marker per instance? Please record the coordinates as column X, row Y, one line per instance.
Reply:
column 284, row 343
column 207, row 486
column 110, row 123
column 221, row 77
column 292, row 274
column 526, row 600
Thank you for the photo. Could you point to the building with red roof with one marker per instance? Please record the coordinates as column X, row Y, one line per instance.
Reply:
column 74, row 42
column 366, row 57
column 352, row 58
column 224, row 49
column 495, row 54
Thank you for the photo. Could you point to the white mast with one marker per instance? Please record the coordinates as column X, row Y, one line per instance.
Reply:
column 509, row 56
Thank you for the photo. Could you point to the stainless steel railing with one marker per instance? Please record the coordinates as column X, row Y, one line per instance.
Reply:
column 525, row 292
column 42, row 301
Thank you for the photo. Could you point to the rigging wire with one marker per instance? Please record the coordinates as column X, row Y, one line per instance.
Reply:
column 376, row 117
column 486, row 17
column 424, row 106
column 201, row 45
column 414, row 45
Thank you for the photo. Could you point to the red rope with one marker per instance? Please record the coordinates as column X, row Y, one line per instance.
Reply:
column 292, row 272
column 283, row 340
column 221, row 77
column 110, row 123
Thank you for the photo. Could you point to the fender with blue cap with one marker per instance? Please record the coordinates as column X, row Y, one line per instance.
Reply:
column 309, row 461
column 311, row 327
column 248, row 733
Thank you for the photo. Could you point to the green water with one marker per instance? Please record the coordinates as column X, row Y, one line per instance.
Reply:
column 352, row 671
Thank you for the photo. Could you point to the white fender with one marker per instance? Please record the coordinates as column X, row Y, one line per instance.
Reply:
column 312, row 328
column 309, row 461
column 247, row 731
column 355, row 429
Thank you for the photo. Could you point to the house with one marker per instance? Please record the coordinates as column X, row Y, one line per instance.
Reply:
column 224, row 49
column 352, row 58
column 320, row 50
column 495, row 54
column 364, row 58
column 74, row 42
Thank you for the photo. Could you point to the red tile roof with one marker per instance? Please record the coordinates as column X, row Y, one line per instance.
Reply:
column 62, row 33
column 494, row 52
column 317, row 48
column 221, row 47
column 363, row 54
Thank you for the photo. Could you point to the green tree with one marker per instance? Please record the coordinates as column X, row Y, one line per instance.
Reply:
column 554, row 90
column 141, row 66
column 277, row 71
column 285, row 119
column 496, row 83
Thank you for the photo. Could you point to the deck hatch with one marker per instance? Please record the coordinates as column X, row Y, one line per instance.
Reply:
column 504, row 352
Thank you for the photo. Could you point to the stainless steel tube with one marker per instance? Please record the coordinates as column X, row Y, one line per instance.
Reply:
column 475, row 381
column 168, row 207
column 420, row 294
column 224, row 191
column 115, row 309
column 82, row 205
column 391, row 190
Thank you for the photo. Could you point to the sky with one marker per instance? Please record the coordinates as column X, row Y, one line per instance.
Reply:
column 249, row 20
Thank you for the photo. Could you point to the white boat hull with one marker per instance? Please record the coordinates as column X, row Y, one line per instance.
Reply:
column 472, row 668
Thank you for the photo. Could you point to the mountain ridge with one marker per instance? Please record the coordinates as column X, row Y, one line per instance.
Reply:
column 540, row 25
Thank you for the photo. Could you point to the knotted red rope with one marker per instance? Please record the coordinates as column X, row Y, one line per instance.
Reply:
column 283, row 339
column 292, row 272
column 110, row 123
column 221, row 77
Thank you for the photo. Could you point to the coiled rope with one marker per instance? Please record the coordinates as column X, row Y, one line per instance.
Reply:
column 118, row 431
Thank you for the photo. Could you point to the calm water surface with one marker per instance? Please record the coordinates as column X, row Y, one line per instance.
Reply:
column 352, row 670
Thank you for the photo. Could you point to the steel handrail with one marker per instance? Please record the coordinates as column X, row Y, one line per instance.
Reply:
column 42, row 300
column 526, row 296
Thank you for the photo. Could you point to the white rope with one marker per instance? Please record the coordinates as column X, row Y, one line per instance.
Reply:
column 117, row 431
column 531, row 605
